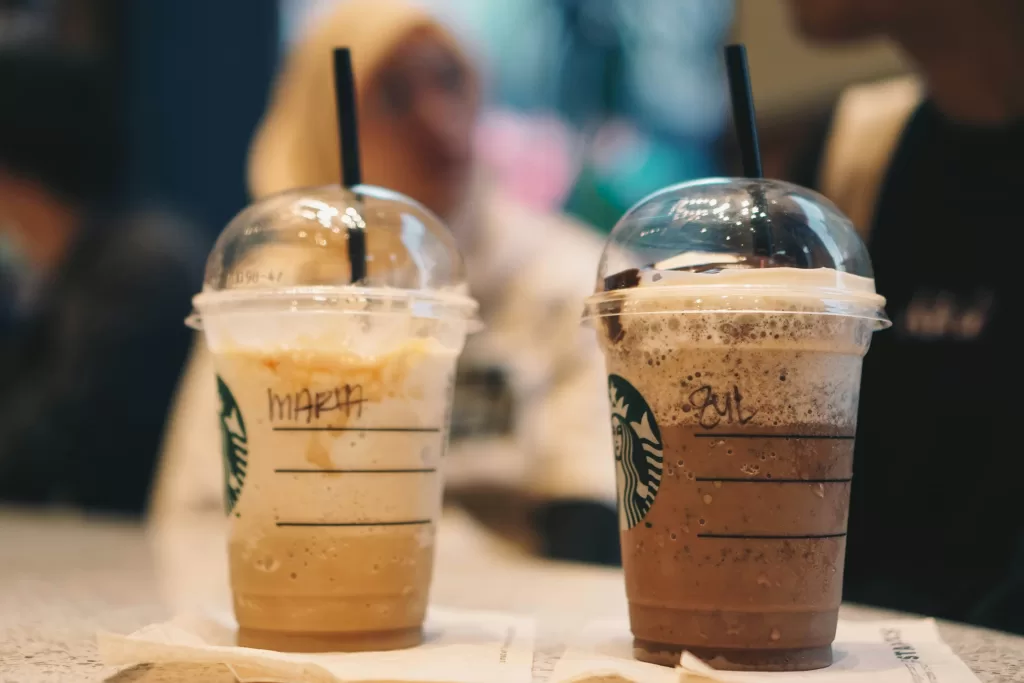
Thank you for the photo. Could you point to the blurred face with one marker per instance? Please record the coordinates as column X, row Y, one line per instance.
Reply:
column 416, row 123
column 844, row 20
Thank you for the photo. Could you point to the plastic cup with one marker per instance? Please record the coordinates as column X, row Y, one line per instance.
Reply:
column 734, row 315
column 335, row 402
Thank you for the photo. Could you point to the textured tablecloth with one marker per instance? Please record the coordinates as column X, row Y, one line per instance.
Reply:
column 63, row 576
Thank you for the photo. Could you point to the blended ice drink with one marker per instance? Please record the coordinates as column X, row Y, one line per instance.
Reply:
column 335, row 401
column 734, row 316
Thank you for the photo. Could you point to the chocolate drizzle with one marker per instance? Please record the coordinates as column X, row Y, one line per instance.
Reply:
column 626, row 279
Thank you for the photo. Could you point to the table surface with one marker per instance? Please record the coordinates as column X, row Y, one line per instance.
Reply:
column 63, row 577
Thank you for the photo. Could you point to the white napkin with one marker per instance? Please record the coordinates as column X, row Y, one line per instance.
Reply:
column 459, row 647
column 905, row 651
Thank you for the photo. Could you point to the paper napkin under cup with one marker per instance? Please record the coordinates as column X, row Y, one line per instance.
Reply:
column 903, row 651
column 459, row 647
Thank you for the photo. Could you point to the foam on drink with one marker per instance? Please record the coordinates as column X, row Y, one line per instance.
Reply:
column 766, row 325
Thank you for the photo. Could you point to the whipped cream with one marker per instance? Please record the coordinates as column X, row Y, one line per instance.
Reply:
column 765, row 290
column 802, row 279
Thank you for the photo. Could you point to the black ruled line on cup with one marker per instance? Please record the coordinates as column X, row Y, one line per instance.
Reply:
column 402, row 522
column 420, row 430
column 773, row 537
column 763, row 480
column 307, row 470
column 713, row 435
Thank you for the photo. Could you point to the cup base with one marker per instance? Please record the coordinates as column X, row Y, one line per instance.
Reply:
column 735, row 659
column 330, row 642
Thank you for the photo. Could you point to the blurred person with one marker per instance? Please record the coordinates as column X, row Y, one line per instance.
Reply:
column 531, row 450
column 92, row 297
column 930, row 169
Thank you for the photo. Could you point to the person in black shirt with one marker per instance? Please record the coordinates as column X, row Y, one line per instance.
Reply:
column 932, row 172
column 92, row 296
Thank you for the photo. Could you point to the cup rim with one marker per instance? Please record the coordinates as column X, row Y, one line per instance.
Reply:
column 735, row 299
column 420, row 303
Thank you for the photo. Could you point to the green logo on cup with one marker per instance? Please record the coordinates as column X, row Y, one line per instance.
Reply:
column 234, row 444
column 638, row 451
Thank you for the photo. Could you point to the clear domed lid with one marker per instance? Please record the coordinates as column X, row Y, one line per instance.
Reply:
column 724, row 235
column 297, row 247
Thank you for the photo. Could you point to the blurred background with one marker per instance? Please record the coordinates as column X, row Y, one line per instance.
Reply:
column 110, row 107
column 592, row 103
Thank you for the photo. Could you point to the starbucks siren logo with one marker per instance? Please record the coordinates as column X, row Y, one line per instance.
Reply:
column 638, row 451
column 234, row 444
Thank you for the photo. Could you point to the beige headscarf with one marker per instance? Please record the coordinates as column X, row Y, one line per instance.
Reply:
column 296, row 144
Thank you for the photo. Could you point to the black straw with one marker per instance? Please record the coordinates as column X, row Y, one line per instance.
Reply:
column 745, row 121
column 348, row 138
column 743, row 109
column 348, row 131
